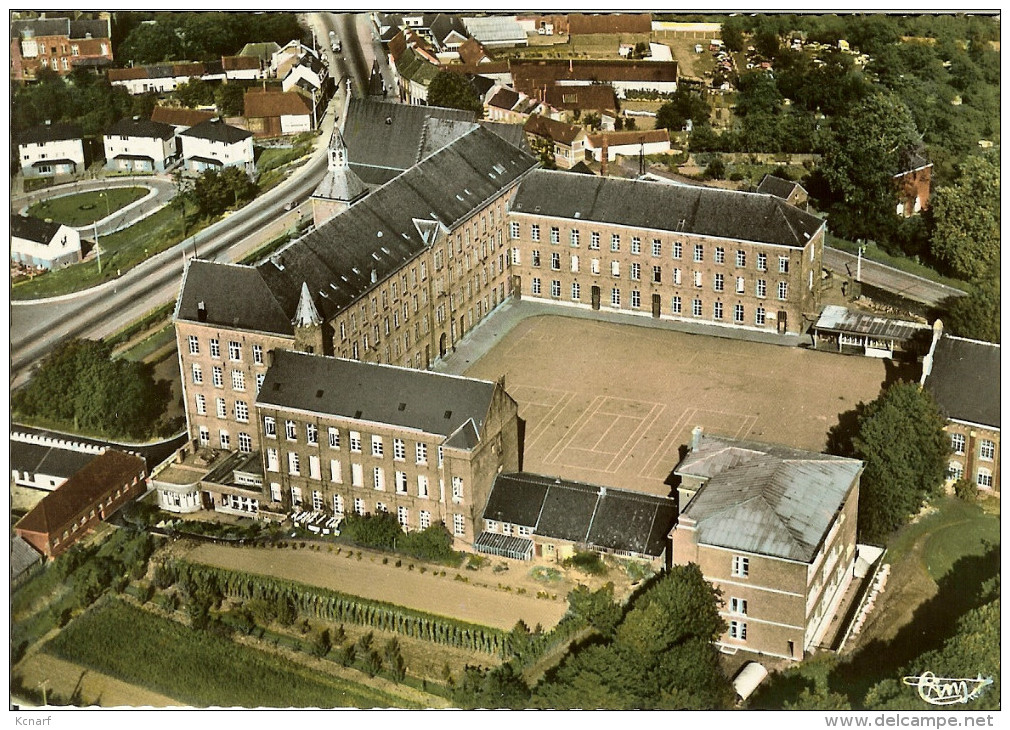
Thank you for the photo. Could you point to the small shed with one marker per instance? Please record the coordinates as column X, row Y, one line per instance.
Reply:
column 748, row 678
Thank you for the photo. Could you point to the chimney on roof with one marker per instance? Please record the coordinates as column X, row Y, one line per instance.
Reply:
column 201, row 312
column 696, row 433
column 603, row 491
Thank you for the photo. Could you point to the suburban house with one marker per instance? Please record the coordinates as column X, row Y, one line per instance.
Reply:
column 214, row 145
column 857, row 333
column 59, row 44
column 964, row 378
column 448, row 33
column 309, row 74
column 43, row 244
column 247, row 68
column 276, row 113
column 567, row 142
column 139, row 145
column 499, row 106
column 683, row 252
column 51, row 149
column 95, row 492
column 912, row 181
column 774, row 529
column 41, row 461
column 790, row 191
column 629, row 144
column 530, row 516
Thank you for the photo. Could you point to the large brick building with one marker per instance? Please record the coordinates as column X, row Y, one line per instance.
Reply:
column 671, row 251
column 774, row 529
column 964, row 377
column 58, row 44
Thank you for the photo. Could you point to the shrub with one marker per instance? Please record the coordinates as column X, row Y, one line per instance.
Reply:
column 588, row 562
column 966, row 489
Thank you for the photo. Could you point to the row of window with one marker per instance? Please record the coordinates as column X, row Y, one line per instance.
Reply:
column 719, row 254
column 234, row 349
column 983, row 477
column 378, row 444
column 718, row 280
column 986, row 447
column 240, row 411
column 217, row 377
column 402, row 512
column 245, row 441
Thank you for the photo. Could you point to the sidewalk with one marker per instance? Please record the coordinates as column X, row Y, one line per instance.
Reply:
column 478, row 342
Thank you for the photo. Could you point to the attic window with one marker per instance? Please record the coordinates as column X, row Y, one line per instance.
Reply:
column 499, row 169
column 357, row 414
column 319, row 394
column 385, row 250
column 402, row 407
column 448, row 415
column 459, row 197
column 375, row 256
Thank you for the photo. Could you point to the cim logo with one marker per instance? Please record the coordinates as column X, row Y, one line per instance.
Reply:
column 947, row 690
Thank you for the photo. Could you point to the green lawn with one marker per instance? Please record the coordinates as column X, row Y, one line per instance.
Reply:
column 82, row 209
column 197, row 667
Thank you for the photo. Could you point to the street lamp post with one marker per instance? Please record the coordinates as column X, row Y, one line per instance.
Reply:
column 98, row 249
column 859, row 262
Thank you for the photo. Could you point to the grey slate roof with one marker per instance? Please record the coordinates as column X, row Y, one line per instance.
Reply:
column 444, row 24
column 217, row 131
column 777, row 186
column 134, row 127
column 40, row 27
column 379, row 150
column 232, row 296
column 50, row 133
column 674, row 208
column 416, row 399
column 94, row 28
column 765, row 499
column 511, row 133
column 23, row 556
column 30, row 458
column 965, row 380
column 839, row 319
column 587, row 514
column 33, row 229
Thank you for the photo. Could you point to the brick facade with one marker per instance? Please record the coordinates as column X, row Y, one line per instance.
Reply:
column 975, row 454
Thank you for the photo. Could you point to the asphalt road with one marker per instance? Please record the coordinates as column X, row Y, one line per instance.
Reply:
column 37, row 327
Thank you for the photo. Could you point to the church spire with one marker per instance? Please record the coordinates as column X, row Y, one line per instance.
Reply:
column 306, row 315
column 337, row 152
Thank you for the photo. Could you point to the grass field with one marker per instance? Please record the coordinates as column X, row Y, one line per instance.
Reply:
column 82, row 209
column 202, row 670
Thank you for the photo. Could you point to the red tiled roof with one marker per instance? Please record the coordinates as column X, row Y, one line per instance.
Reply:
column 614, row 139
column 397, row 45
column 471, row 51
column 110, row 470
column 127, row 74
column 530, row 75
column 188, row 69
column 239, row 63
column 547, row 127
column 274, row 104
column 593, row 96
column 180, row 117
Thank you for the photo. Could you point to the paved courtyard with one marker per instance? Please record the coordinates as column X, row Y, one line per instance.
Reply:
column 614, row 404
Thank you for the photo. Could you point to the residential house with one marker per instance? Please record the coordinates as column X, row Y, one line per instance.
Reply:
column 448, row 33
column 94, row 493
column 423, row 446
column 263, row 52
column 309, row 74
column 963, row 377
column 58, row 44
column 163, row 77
column 413, row 67
column 531, row 75
column 139, row 145
column 51, row 149
column 214, row 145
column 496, row 31
column 530, row 516
column 912, row 181
column 473, row 53
column 689, row 253
column 43, row 244
column 387, row 26
column 566, row 102
column 567, row 142
column 499, row 106
column 629, row 144
column 237, row 68
column 774, row 530
column 275, row 113
column 790, row 191
column 44, row 462
column 292, row 54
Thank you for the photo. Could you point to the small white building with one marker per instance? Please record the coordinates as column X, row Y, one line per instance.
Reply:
column 44, row 244
column 215, row 145
column 51, row 149
column 246, row 68
column 629, row 143
column 139, row 145
column 309, row 74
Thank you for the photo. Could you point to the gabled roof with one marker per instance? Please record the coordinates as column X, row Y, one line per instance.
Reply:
column 384, row 139
column 965, row 380
column 189, row 68
column 34, row 229
column 557, row 131
column 40, row 27
column 127, row 74
column 504, row 99
column 586, row 514
column 137, row 127
column 57, row 509
column 765, row 499
column 23, row 556
column 471, row 51
column 232, row 296
column 511, row 133
column 675, row 208
column 495, row 29
column 35, row 458
column 263, row 50
column 216, row 131
column 634, row 137
column 834, row 318
column 180, row 117
column 50, row 133
column 530, row 75
column 80, row 29
column 587, row 97
column 240, row 63
column 481, row 84
column 910, row 160
column 444, row 24
column 417, row 399
column 780, row 188
column 258, row 104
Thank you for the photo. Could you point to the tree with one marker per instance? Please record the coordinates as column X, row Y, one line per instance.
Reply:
column 230, row 99
column 544, row 149
column 683, row 105
column 597, row 608
column 501, row 687
column 284, row 611
column 217, row 190
column 861, row 157
column 966, row 216
column 195, row 92
column 977, row 315
column 732, row 33
column 451, row 89
column 393, row 659
column 902, row 441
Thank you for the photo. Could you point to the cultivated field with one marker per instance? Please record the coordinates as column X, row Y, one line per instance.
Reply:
column 614, row 404
column 63, row 678
column 485, row 605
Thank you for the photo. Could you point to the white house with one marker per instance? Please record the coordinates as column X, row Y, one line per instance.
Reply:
column 47, row 245
column 242, row 68
column 214, row 144
column 139, row 145
column 290, row 55
column 309, row 74
column 51, row 149
column 159, row 79
column 630, row 143
column 273, row 113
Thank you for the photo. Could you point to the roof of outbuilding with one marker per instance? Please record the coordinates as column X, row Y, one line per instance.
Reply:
column 109, row 470
column 33, row 458
column 834, row 318
column 777, row 186
column 217, row 131
column 471, row 51
column 128, row 74
column 240, row 63
column 765, row 499
column 137, row 127
column 180, row 117
column 675, row 208
column 262, row 50
column 557, row 131
column 603, row 517
column 416, row 399
column 581, row 24
column 965, row 380
column 23, row 556
column 590, row 97
column 33, row 229
column 533, row 74
column 259, row 104
column 632, row 137
column 495, row 29
column 50, row 133
column 503, row 99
